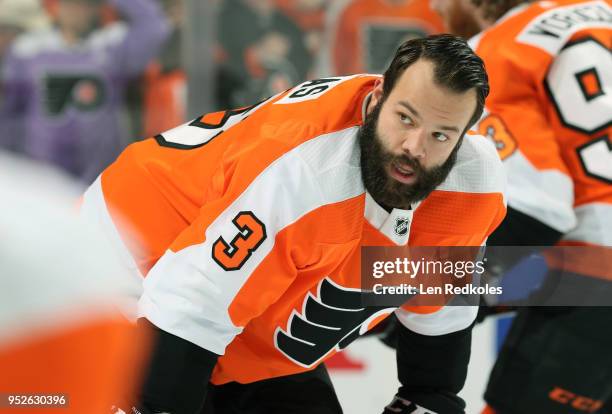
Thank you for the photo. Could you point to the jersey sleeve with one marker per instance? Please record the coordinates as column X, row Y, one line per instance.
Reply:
column 221, row 214
column 246, row 246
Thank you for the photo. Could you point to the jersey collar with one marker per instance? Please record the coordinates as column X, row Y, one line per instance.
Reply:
column 395, row 225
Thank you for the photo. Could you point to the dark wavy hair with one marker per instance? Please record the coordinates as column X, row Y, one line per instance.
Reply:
column 457, row 67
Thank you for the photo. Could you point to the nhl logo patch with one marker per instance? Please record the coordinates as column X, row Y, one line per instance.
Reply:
column 401, row 226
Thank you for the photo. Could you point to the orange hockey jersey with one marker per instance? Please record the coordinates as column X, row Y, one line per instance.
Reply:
column 550, row 113
column 248, row 226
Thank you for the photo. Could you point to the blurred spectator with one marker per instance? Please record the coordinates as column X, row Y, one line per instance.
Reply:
column 17, row 16
column 369, row 31
column 65, row 85
column 165, row 84
column 264, row 51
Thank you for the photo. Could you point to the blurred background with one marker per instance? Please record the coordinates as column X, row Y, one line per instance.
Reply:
column 82, row 79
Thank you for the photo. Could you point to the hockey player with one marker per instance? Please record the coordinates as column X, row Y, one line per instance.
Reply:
column 248, row 226
column 550, row 116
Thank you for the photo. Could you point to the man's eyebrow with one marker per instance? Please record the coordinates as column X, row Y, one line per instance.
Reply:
column 449, row 128
column 416, row 114
column 410, row 108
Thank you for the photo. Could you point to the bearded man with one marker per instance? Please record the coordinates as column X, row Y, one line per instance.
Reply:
column 247, row 227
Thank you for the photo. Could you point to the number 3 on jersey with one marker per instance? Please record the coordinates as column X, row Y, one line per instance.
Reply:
column 492, row 127
column 233, row 255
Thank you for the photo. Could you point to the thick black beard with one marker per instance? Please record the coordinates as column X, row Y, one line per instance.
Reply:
column 387, row 191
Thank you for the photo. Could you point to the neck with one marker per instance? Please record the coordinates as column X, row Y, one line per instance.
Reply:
column 484, row 23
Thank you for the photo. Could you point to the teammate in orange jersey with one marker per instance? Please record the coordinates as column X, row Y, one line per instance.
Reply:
column 368, row 31
column 550, row 116
column 63, row 339
column 250, row 224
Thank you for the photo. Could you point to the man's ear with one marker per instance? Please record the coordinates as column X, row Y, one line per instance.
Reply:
column 377, row 94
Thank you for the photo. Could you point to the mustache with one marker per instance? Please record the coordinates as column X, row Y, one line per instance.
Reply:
column 404, row 159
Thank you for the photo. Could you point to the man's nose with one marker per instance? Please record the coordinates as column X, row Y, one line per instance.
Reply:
column 414, row 143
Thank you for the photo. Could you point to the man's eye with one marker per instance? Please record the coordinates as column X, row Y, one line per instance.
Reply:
column 440, row 136
column 405, row 119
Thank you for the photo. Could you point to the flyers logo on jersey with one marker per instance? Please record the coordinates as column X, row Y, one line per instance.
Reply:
column 332, row 320
column 84, row 92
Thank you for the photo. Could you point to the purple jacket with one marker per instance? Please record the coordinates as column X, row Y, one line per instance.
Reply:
column 63, row 103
